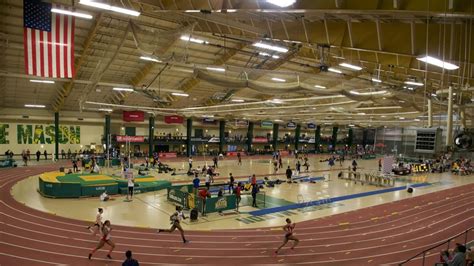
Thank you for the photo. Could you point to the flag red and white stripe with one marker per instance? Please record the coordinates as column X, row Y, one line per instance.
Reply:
column 51, row 54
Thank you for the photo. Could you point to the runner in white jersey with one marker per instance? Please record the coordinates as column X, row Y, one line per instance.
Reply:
column 131, row 183
column 176, row 219
column 97, row 226
column 105, row 239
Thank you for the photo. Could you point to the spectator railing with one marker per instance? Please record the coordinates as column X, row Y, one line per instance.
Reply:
column 448, row 241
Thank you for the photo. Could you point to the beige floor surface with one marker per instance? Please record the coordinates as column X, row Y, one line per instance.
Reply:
column 152, row 210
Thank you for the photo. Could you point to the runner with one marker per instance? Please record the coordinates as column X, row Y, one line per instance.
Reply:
column 95, row 228
column 105, row 239
column 288, row 228
column 175, row 221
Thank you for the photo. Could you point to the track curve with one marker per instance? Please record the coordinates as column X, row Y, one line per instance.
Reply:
column 376, row 235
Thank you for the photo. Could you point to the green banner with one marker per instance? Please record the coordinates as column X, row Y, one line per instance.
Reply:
column 266, row 124
column 228, row 202
column 178, row 197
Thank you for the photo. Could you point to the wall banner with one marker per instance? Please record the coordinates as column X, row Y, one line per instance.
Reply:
column 40, row 134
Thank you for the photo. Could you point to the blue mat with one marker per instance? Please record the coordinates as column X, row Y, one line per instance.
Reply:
column 335, row 199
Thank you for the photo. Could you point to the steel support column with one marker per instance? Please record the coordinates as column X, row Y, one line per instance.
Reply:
column 334, row 138
column 189, row 130
column 317, row 139
column 221, row 136
column 56, row 135
column 297, row 136
column 275, row 137
column 151, row 135
column 449, row 126
column 249, row 137
column 107, row 135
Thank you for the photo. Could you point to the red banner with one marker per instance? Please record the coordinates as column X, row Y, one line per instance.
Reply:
column 260, row 140
column 174, row 119
column 130, row 139
column 232, row 153
column 135, row 116
column 167, row 154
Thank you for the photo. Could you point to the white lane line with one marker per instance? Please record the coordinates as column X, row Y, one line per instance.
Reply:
column 29, row 259
column 302, row 229
column 447, row 210
column 249, row 256
column 305, row 246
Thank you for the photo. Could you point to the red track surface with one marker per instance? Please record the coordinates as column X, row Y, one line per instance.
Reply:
column 372, row 236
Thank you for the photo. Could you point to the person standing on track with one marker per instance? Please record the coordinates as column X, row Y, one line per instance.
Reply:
column 190, row 162
column 231, row 183
column 237, row 194
column 131, row 184
column 176, row 218
column 288, row 173
column 98, row 223
column 105, row 239
column 239, row 159
column 288, row 228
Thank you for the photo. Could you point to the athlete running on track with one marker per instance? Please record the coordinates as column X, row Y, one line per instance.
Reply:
column 95, row 228
column 105, row 239
column 288, row 228
column 175, row 221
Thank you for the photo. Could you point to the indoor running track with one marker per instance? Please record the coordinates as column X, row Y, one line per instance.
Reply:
column 383, row 234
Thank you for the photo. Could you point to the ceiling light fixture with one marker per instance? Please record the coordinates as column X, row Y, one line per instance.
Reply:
column 42, row 81
column 278, row 120
column 194, row 40
column 71, row 13
column 401, row 118
column 319, row 86
column 353, row 67
column 376, row 80
column 238, row 100
column 281, row 3
column 361, row 113
column 110, row 8
column 35, row 105
column 192, row 11
column 218, row 69
column 106, row 110
column 367, row 93
column 411, row 88
column 180, row 94
column 147, row 58
column 269, row 55
column 279, row 79
column 437, row 62
column 434, row 94
column 334, row 70
column 270, row 47
column 414, row 83
column 123, row 89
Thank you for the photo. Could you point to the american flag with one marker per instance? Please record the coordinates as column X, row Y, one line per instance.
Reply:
column 48, row 41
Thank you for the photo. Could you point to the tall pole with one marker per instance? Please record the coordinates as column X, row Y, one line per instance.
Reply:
column 249, row 137
column 275, row 137
column 151, row 135
column 189, row 130
column 56, row 135
column 317, row 138
column 106, row 135
column 297, row 136
column 449, row 133
column 462, row 114
column 350, row 137
column 221, row 136
column 334, row 137
column 430, row 113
